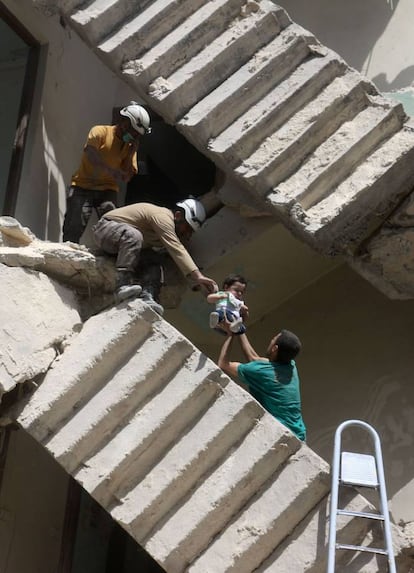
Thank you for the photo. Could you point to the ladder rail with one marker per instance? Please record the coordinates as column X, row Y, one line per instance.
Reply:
column 332, row 545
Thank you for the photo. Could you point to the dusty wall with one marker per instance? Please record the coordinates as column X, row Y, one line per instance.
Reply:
column 63, row 111
column 374, row 36
column 30, row 538
column 12, row 63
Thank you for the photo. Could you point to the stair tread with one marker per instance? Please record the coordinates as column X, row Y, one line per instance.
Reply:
column 287, row 147
column 360, row 185
column 262, row 525
column 228, row 488
column 313, row 533
column 250, row 80
column 232, row 142
column 104, row 342
column 367, row 129
column 154, row 22
column 124, row 448
column 213, row 64
column 157, row 359
column 197, row 30
column 228, row 419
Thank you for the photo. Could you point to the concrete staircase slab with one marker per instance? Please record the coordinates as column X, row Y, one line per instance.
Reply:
column 183, row 42
column 204, row 446
column 241, row 138
column 261, row 525
column 242, row 89
column 191, row 528
column 283, row 152
column 204, row 72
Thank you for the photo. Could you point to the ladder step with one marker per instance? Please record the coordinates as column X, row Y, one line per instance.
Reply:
column 362, row 548
column 361, row 514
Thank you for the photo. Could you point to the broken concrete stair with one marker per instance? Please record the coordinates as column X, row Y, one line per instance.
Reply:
column 159, row 436
column 260, row 96
column 37, row 316
column 185, row 460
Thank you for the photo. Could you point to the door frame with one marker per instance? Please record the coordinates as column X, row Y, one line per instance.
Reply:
column 25, row 109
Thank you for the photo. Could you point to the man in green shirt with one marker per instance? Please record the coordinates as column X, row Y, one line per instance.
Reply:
column 274, row 380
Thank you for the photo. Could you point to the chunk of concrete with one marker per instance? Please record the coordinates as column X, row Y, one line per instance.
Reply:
column 32, row 332
column 91, row 273
column 13, row 234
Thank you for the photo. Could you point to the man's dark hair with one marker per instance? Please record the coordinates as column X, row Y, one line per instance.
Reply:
column 231, row 279
column 288, row 345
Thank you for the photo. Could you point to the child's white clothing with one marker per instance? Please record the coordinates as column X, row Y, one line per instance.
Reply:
column 229, row 302
column 229, row 306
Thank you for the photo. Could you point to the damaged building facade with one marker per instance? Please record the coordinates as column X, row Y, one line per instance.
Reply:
column 306, row 170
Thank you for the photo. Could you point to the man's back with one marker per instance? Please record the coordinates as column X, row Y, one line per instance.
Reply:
column 158, row 230
column 276, row 386
column 148, row 218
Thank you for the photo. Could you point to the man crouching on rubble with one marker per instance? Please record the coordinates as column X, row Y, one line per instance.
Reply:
column 127, row 230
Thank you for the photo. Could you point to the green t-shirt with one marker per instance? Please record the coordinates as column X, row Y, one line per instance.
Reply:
column 276, row 387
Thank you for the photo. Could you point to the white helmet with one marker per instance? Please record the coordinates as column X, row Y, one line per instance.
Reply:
column 138, row 116
column 194, row 212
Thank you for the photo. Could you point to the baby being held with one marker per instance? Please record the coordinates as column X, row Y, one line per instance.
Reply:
column 230, row 304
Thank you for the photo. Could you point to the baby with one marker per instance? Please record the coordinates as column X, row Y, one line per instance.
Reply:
column 229, row 304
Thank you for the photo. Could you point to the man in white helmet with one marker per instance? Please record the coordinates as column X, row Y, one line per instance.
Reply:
column 126, row 231
column 108, row 158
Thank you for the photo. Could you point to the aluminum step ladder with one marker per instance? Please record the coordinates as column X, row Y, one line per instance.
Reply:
column 359, row 470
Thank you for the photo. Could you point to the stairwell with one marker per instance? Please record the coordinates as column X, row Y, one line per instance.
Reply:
column 298, row 128
column 182, row 458
column 186, row 461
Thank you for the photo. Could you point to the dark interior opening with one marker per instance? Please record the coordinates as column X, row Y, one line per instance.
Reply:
column 169, row 167
column 19, row 62
column 92, row 541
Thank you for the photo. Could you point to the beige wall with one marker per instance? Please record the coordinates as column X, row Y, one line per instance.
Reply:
column 373, row 36
column 32, row 505
column 357, row 362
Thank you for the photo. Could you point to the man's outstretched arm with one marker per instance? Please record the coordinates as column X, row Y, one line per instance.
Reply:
column 224, row 362
column 248, row 350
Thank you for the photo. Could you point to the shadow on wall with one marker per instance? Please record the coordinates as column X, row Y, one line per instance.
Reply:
column 53, row 226
column 335, row 22
column 38, row 200
column 51, row 212
column 404, row 79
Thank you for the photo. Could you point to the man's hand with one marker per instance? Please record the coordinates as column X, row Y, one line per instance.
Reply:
column 209, row 284
column 244, row 312
column 224, row 325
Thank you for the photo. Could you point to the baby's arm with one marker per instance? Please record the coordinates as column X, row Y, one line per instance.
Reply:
column 214, row 297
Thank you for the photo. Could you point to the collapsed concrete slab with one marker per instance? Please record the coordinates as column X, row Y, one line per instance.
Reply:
column 90, row 273
column 186, row 461
column 37, row 315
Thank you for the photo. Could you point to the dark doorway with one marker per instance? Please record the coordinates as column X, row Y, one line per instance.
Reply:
column 169, row 167
column 19, row 55
column 92, row 541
